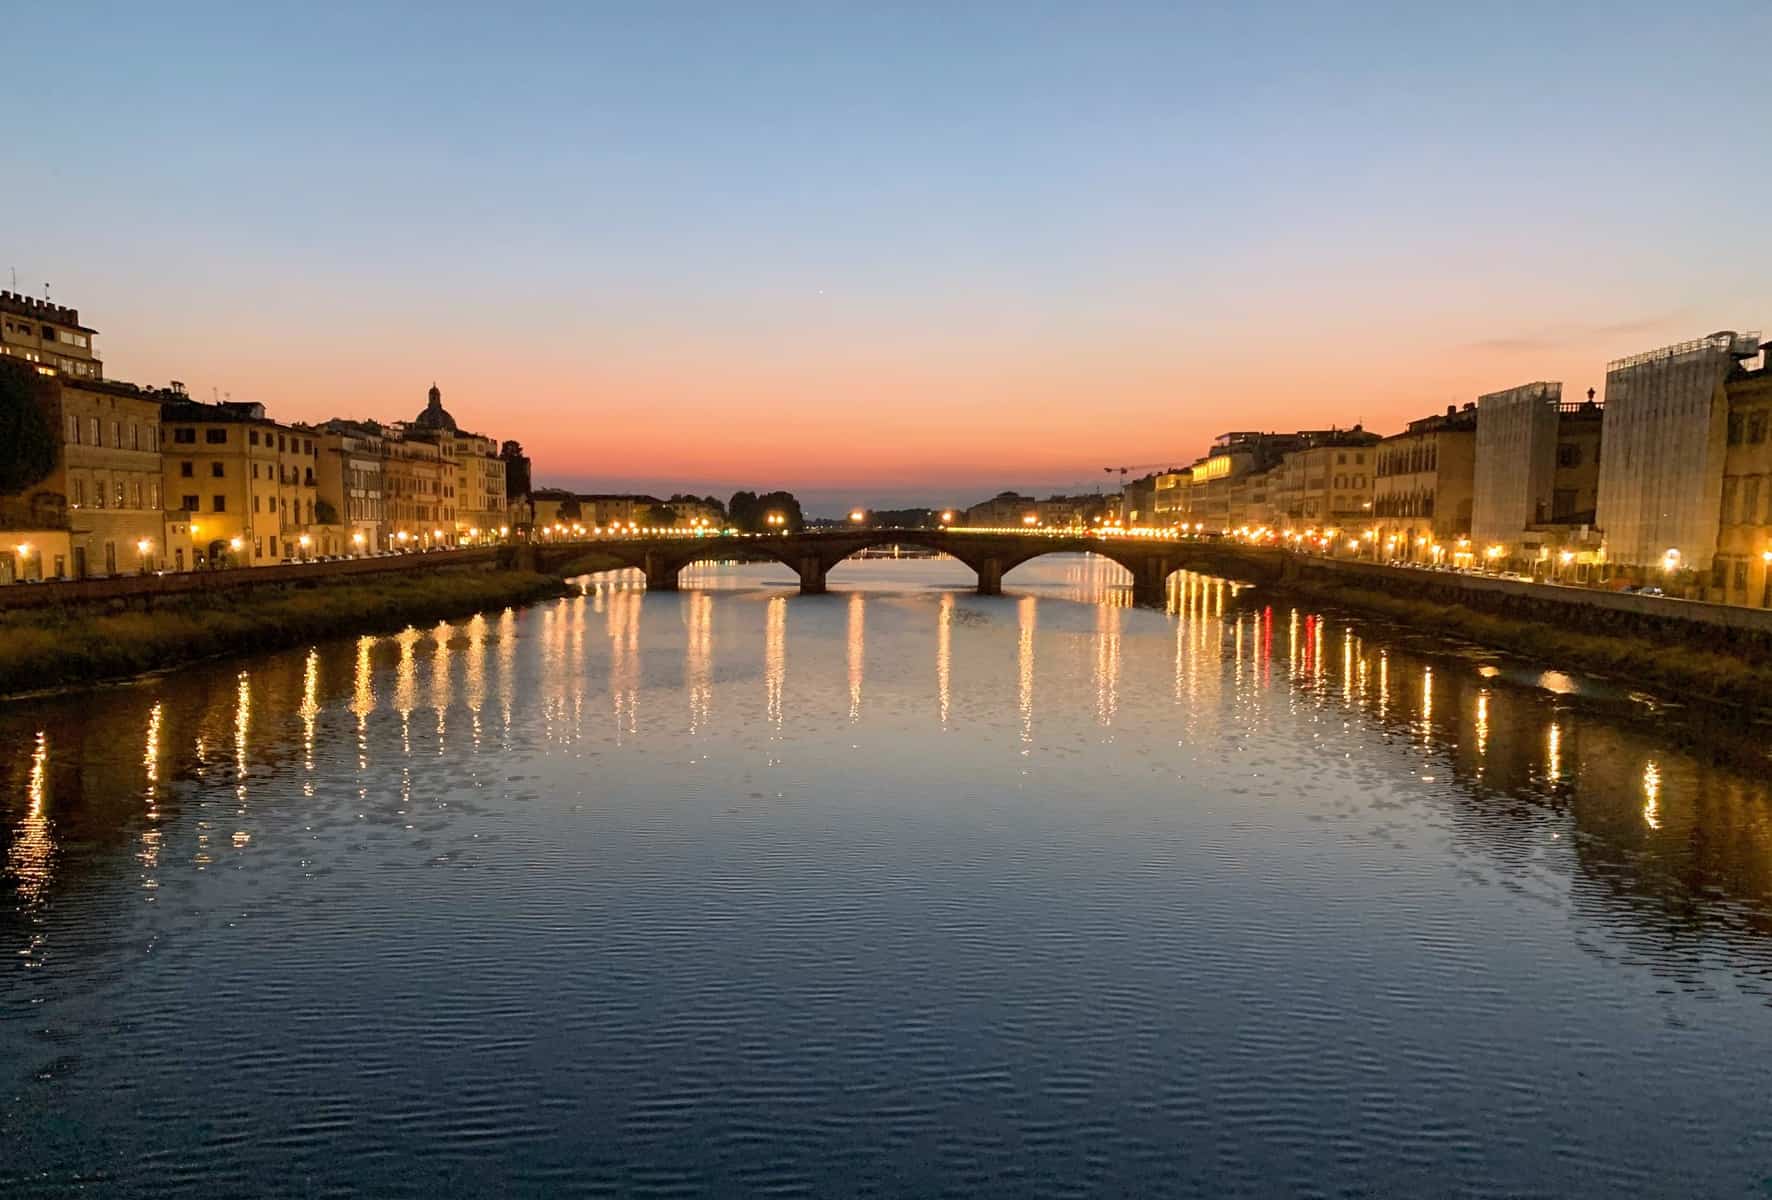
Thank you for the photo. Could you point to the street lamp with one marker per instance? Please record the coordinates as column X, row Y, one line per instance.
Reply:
column 141, row 548
column 947, row 518
column 304, row 541
column 857, row 516
column 360, row 540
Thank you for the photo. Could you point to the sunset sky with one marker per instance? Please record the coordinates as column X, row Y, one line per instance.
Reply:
column 884, row 254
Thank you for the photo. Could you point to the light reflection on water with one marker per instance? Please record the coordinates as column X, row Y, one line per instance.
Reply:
column 897, row 889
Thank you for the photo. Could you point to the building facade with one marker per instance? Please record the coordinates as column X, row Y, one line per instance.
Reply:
column 1741, row 567
column 244, row 483
column 37, row 334
column 1423, row 486
column 1666, row 433
column 1327, row 482
column 348, row 477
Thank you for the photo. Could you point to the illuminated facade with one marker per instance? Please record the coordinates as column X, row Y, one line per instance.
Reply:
column 37, row 333
column 1741, row 570
column 245, row 483
column 1422, row 486
column 1666, row 442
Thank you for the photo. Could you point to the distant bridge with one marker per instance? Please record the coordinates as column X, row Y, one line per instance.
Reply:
column 812, row 553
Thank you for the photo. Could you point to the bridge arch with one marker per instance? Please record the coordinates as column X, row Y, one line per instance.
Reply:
column 812, row 554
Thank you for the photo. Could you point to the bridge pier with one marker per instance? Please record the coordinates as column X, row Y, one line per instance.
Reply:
column 812, row 570
column 661, row 573
column 990, row 576
column 1150, row 582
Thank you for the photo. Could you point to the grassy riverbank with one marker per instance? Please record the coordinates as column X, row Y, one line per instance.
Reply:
column 1681, row 670
column 51, row 648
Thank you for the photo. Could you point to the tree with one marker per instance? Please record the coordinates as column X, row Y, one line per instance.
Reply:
column 663, row 516
column 324, row 513
column 517, row 474
column 570, row 509
column 741, row 512
column 27, row 442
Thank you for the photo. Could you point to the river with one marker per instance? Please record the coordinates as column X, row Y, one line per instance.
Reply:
column 894, row 891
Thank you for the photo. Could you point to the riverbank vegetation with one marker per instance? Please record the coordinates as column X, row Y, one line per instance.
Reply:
column 1683, row 670
column 45, row 648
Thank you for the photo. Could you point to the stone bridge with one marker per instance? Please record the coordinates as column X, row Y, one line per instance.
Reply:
column 811, row 555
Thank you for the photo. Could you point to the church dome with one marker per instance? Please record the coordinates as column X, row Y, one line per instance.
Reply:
column 435, row 416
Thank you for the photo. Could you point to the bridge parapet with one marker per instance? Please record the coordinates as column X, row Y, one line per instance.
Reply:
column 991, row 554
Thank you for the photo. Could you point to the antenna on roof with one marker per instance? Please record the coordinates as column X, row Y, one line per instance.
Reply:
column 46, row 293
column 15, row 279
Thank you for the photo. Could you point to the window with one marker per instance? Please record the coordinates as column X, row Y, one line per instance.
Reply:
column 92, row 432
column 116, row 436
column 73, row 430
column 1734, row 435
column 221, row 503
column 119, row 487
column 255, row 507
column 135, row 436
column 1750, row 500
column 1741, row 574
column 215, row 470
column 1568, row 455
column 1756, row 426
column 216, row 437
column 79, row 492
column 187, row 469
column 184, row 437
column 188, row 503
column 1729, row 485
column 252, row 437
column 1719, row 572
column 135, row 493
column 153, row 494
column 281, row 442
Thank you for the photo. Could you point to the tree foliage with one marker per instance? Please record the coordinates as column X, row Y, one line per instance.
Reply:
column 27, row 440
column 570, row 510
column 749, row 512
column 325, row 513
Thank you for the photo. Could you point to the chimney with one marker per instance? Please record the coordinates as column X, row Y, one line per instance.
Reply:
column 1452, row 410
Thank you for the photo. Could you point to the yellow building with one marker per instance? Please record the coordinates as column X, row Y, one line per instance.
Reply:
column 1741, row 571
column 418, row 500
column 349, row 474
column 99, row 510
column 1328, row 483
column 1423, row 485
column 245, row 483
column 37, row 333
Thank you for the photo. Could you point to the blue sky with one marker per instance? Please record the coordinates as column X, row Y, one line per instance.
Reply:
column 880, row 253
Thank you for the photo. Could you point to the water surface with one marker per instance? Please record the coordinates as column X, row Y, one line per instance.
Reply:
column 894, row 891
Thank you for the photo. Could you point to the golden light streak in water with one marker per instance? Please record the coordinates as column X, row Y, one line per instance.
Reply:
column 944, row 655
column 1384, row 684
column 1553, row 753
column 1427, row 705
column 856, row 646
column 1483, row 723
column 151, row 836
column 1027, row 618
column 775, row 659
column 1347, row 666
column 699, row 660
column 507, row 667
column 242, row 734
column 310, row 712
column 30, row 859
column 1652, row 794
column 406, row 686
column 1107, row 664
column 1292, row 645
column 442, row 668
column 474, row 661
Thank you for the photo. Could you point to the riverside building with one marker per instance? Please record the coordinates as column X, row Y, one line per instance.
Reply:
column 245, row 483
column 1666, row 441
column 1422, row 487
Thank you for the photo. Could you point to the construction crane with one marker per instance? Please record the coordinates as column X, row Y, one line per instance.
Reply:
column 1137, row 467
